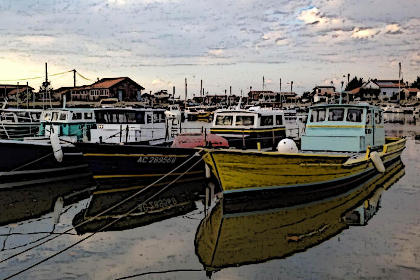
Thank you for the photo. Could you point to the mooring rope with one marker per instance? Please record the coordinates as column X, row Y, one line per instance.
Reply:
column 106, row 210
column 105, row 226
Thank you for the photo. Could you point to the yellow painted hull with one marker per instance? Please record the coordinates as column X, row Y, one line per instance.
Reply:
column 233, row 239
column 239, row 171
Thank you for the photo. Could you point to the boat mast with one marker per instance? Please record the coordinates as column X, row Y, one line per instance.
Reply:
column 185, row 100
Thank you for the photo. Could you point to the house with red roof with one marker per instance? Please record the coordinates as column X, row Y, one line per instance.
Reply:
column 122, row 88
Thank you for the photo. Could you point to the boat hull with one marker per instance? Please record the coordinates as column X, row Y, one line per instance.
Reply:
column 297, row 177
column 121, row 171
column 34, row 163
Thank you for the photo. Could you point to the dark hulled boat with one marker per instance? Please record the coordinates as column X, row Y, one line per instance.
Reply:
column 32, row 163
column 124, row 170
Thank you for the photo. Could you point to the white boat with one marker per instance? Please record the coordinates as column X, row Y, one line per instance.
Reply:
column 246, row 128
column 124, row 125
column 69, row 124
column 174, row 112
column 15, row 124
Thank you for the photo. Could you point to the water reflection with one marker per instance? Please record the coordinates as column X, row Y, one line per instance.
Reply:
column 33, row 201
column 143, row 209
column 235, row 239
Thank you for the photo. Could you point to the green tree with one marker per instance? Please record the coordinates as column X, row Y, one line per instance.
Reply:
column 354, row 83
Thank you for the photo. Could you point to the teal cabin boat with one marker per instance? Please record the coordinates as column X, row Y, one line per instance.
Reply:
column 344, row 128
column 72, row 123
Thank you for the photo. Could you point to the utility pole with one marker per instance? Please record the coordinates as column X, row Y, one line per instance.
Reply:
column 399, row 81
column 17, row 95
column 263, row 83
column 201, row 88
column 281, row 96
column 74, row 77
column 27, row 96
column 173, row 92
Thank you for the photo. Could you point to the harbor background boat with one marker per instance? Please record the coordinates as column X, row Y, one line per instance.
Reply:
column 386, row 247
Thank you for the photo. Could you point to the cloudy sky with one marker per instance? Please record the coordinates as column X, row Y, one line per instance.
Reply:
column 225, row 43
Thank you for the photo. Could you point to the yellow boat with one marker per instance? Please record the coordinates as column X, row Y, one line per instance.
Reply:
column 330, row 160
column 234, row 239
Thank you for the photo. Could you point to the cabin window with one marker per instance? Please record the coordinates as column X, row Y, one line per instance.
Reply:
column 47, row 117
column 88, row 116
column 54, row 116
column 149, row 118
column 224, row 120
column 279, row 120
column 35, row 116
column 336, row 115
column 77, row 116
column 354, row 115
column 158, row 117
column 378, row 117
column 266, row 120
column 131, row 117
column 140, row 117
column 245, row 120
column 368, row 117
column 63, row 116
column 318, row 115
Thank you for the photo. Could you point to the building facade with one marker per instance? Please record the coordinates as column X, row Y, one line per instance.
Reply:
column 123, row 88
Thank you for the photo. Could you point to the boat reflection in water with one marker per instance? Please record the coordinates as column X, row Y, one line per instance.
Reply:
column 33, row 201
column 226, row 239
column 146, row 208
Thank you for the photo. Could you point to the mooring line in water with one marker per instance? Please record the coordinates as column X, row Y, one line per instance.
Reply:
column 109, row 209
column 104, row 227
column 160, row 272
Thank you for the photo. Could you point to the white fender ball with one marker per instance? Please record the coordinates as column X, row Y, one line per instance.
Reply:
column 287, row 146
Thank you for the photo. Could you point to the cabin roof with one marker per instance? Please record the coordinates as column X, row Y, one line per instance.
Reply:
column 258, row 111
column 361, row 105
column 130, row 109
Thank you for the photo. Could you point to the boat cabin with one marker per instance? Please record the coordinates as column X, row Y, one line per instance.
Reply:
column 122, row 125
column 343, row 128
column 20, row 115
column 68, row 122
column 246, row 128
column 19, row 123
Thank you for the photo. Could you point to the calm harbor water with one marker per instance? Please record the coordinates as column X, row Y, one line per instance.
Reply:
column 372, row 232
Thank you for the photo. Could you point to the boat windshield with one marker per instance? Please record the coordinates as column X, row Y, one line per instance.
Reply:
column 77, row 116
column 378, row 117
column 318, row 115
column 35, row 116
column 244, row 120
column 88, row 115
column 63, row 116
column 266, row 120
column 336, row 114
column 120, row 117
column 224, row 120
column 354, row 115
column 55, row 116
